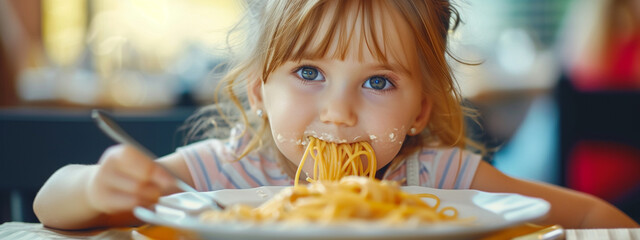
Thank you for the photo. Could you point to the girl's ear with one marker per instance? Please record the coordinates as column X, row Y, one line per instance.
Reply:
column 254, row 90
column 423, row 118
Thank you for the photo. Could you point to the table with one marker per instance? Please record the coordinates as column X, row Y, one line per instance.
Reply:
column 35, row 231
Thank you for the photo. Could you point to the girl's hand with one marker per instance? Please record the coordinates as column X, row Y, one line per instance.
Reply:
column 126, row 178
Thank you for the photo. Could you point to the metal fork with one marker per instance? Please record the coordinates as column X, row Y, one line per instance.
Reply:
column 113, row 130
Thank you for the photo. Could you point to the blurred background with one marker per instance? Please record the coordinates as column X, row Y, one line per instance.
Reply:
column 558, row 87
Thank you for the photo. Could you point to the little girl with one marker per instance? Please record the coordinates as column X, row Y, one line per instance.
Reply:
column 339, row 71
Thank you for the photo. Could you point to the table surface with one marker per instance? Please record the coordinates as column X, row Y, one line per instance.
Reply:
column 35, row 231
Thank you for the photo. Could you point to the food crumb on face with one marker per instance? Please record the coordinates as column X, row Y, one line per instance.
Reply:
column 372, row 137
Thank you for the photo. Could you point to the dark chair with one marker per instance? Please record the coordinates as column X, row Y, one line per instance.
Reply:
column 34, row 143
column 600, row 143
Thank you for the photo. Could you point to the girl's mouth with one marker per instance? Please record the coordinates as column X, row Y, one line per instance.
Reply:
column 392, row 137
column 327, row 137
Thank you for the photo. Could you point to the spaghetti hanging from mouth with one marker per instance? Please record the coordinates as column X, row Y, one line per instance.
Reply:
column 333, row 161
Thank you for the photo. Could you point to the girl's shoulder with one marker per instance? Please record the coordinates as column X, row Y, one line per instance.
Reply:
column 448, row 154
column 227, row 149
column 215, row 164
column 437, row 167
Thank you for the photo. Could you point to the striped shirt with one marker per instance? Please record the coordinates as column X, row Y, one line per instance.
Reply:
column 213, row 166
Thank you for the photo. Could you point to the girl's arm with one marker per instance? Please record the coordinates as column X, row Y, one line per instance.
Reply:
column 569, row 208
column 103, row 195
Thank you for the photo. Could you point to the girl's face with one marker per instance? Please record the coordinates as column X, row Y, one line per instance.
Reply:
column 354, row 99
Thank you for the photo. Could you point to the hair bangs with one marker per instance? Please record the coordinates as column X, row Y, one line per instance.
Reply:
column 338, row 34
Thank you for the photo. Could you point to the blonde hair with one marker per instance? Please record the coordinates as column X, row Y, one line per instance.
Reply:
column 285, row 29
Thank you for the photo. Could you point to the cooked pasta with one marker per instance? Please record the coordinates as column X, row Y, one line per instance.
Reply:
column 342, row 191
column 351, row 199
column 333, row 161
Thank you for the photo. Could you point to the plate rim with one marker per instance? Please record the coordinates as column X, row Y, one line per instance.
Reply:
column 268, row 232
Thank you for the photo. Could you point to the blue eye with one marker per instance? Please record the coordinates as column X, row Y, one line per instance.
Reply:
column 310, row 73
column 378, row 83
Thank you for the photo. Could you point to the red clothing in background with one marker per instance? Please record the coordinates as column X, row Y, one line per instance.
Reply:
column 620, row 72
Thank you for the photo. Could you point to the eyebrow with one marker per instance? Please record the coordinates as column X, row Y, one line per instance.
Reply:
column 394, row 67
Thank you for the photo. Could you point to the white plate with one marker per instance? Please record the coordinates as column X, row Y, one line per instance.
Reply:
column 491, row 211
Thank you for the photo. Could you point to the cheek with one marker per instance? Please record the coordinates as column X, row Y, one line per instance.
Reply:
column 288, row 118
column 387, row 146
column 283, row 108
column 390, row 131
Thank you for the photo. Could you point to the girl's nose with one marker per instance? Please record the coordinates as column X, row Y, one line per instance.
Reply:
column 338, row 110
